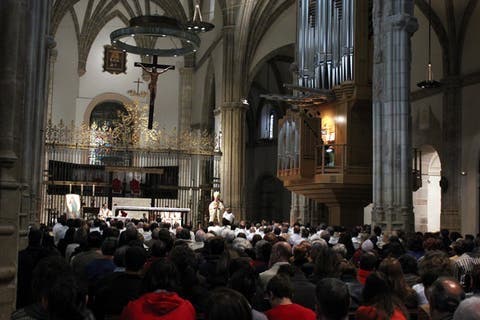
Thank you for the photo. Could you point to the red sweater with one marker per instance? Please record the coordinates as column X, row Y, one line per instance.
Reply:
column 159, row 305
column 289, row 312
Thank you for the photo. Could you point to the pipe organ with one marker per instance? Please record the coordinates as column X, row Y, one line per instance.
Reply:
column 325, row 139
column 325, row 42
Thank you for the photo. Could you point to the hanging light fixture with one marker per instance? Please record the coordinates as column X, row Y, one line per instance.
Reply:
column 197, row 24
column 151, row 30
column 429, row 83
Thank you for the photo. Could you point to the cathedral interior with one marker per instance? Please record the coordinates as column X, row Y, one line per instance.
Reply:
column 347, row 112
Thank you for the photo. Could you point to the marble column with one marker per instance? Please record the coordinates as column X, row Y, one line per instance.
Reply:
column 394, row 25
column 186, row 87
column 23, row 52
column 232, row 179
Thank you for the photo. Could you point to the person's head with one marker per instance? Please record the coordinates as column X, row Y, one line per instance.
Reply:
column 459, row 247
column 300, row 253
column 119, row 225
column 215, row 245
column 66, row 298
column 368, row 261
column 469, row 309
column 394, row 275
column 333, row 299
column 281, row 252
column 62, row 219
column 408, row 263
column 158, row 249
column 244, row 280
column 241, row 245
column 45, row 273
column 183, row 234
column 434, row 264
column 378, row 293
column 164, row 235
column 183, row 257
column 34, row 237
column 109, row 246
column 227, row 304
column 263, row 250
column 135, row 258
column 200, row 236
column 162, row 275
column 444, row 296
column 278, row 288
column 94, row 240
column 326, row 263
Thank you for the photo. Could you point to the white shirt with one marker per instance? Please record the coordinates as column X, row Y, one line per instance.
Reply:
column 59, row 231
column 228, row 216
column 104, row 213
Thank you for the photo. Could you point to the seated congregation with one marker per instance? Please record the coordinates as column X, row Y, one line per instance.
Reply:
column 140, row 270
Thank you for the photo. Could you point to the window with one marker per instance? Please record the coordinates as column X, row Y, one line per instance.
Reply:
column 106, row 113
column 270, row 126
column 267, row 122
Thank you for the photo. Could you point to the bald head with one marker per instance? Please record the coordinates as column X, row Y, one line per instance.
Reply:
column 444, row 296
column 281, row 252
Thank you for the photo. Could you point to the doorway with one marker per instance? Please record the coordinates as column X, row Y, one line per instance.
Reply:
column 427, row 199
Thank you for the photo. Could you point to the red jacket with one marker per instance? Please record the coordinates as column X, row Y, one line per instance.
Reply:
column 159, row 305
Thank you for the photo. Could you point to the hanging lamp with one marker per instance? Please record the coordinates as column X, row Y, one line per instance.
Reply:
column 197, row 24
column 429, row 83
column 152, row 29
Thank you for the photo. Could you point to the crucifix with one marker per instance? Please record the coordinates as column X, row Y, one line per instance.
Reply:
column 154, row 70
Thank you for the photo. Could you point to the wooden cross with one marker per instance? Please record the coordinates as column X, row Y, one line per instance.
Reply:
column 154, row 70
column 138, row 85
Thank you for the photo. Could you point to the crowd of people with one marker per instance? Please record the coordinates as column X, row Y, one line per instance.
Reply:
column 135, row 269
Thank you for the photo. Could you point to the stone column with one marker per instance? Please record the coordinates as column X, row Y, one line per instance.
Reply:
column 394, row 24
column 186, row 87
column 450, row 217
column 232, row 179
column 296, row 208
column 233, row 113
column 23, row 53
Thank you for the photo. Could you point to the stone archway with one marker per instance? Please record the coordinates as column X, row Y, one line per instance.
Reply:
column 427, row 199
column 104, row 97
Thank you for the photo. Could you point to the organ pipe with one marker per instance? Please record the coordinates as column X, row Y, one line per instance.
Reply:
column 325, row 42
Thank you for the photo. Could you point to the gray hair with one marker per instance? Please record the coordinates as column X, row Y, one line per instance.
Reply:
column 228, row 234
column 469, row 309
column 200, row 236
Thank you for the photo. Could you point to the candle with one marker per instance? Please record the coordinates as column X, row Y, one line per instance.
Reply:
column 93, row 191
column 81, row 189
column 70, row 188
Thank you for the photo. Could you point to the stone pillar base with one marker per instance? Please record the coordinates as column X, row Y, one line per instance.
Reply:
column 346, row 214
column 450, row 219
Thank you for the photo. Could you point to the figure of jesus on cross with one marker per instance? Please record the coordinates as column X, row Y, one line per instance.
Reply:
column 154, row 70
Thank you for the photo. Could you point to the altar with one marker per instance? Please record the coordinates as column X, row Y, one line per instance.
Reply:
column 167, row 214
